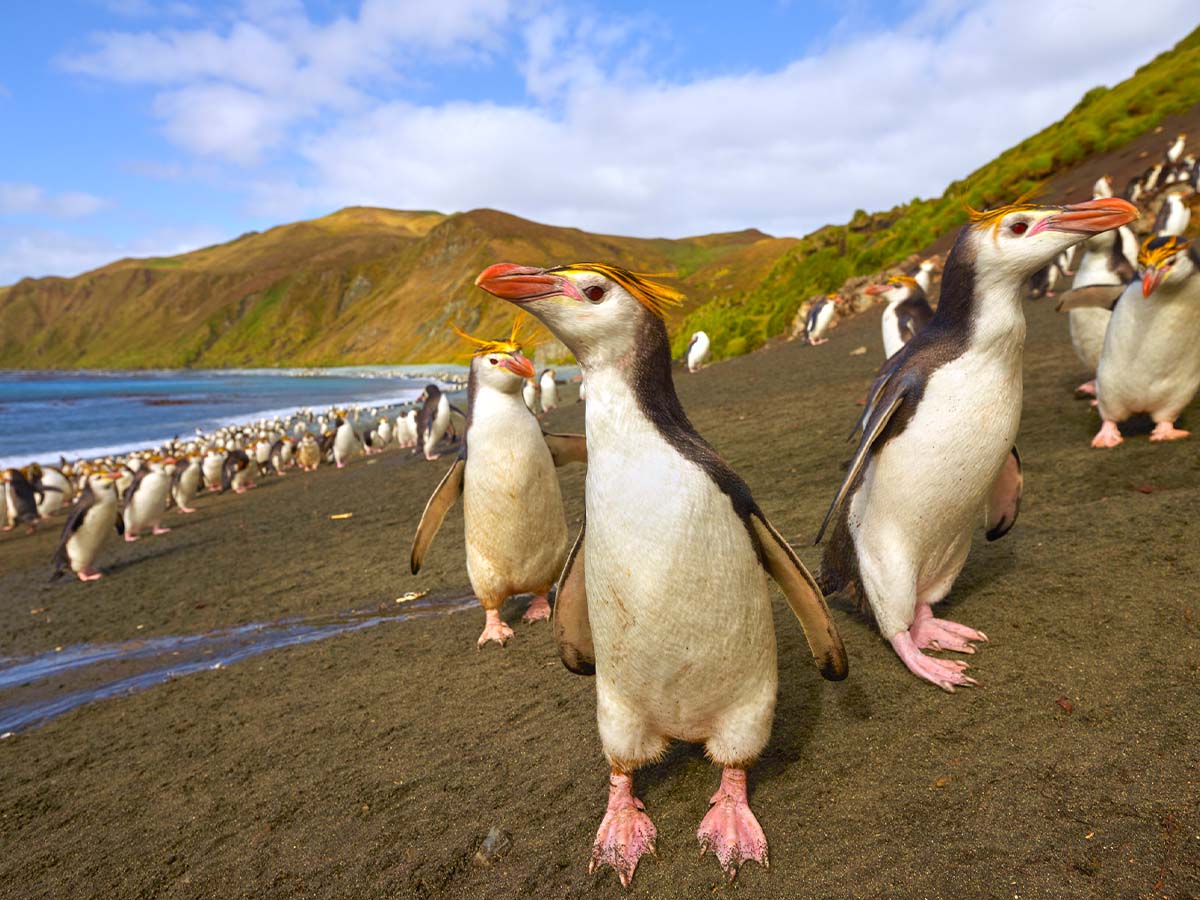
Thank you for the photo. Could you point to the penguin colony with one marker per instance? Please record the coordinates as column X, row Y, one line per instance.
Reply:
column 896, row 537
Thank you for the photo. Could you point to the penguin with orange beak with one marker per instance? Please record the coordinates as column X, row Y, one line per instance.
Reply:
column 514, row 524
column 1150, row 362
column 901, row 532
column 665, row 595
column 906, row 313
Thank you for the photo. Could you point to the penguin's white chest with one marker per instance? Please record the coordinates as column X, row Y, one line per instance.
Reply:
column 149, row 501
column 892, row 341
column 678, row 601
column 93, row 531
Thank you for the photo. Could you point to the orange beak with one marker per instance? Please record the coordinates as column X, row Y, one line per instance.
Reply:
column 521, row 284
column 1090, row 217
column 518, row 365
column 874, row 289
column 1150, row 280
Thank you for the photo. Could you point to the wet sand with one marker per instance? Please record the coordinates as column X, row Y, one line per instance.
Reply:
column 372, row 764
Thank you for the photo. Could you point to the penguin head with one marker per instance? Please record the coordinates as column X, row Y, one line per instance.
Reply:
column 897, row 288
column 1012, row 242
column 598, row 310
column 1165, row 260
column 498, row 364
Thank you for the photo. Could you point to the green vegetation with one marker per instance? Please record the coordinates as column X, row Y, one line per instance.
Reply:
column 1105, row 119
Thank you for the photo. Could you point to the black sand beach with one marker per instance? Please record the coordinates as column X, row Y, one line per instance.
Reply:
column 372, row 764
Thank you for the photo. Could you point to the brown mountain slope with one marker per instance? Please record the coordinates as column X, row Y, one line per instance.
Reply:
column 360, row 286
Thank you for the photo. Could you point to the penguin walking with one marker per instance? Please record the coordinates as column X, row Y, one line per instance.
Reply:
column 937, row 455
column 1175, row 149
column 346, row 443
column 146, row 500
column 406, row 429
column 515, row 527
column 433, row 420
column 819, row 319
column 212, row 466
column 549, row 390
column 664, row 595
column 185, row 483
column 531, row 393
column 906, row 313
column 52, row 489
column 20, row 501
column 237, row 472
column 384, row 430
column 698, row 351
column 1150, row 362
column 308, row 452
column 92, row 520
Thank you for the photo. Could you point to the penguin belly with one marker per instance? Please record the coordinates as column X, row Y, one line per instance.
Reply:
column 1150, row 362
column 892, row 341
column 344, row 444
column 681, row 620
column 189, row 484
column 925, row 491
column 148, row 505
column 97, row 526
column 1088, row 326
column 515, row 527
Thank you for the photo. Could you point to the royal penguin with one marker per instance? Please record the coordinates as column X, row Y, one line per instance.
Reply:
column 237, row 472
column 937, row 456
column 1150, row 362
column 906, row 313
column 20, row 501
column 820, row 318
column 346, row 442
column 531, row 394
column 92, row 521
column 433, row 420
column 146, row 500
column 665, row 594
column 1104, row 269
column 1103, row 186
column 384, row 430
column 1175, row 149
column 514, row 525
column 1173, row 216
column 52, row 489
column 185, row 482
column 698, row 351
column 406, row 429
column 308, row 452
column 211, row 467
column 924, row 276
column 549, row 390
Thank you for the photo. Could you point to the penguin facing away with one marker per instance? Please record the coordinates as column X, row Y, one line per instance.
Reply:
column 937, row 453
column 664, row 595
column 514, row 524
column 1150, row 363
column 89, row 525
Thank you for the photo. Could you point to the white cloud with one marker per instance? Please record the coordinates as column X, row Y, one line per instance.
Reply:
column 29, row 199
column 39, row 252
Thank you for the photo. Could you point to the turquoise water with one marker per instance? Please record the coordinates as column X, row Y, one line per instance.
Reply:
column 83, row 414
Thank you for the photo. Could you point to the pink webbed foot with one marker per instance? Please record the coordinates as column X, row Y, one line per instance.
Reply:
column 130, row 537
column 818, row 341
column 158, row 529
column 1166, row 431
column 1108, row 436
column 89, row 574
column 941, row 634
column 8, row 528
column 187, row 509
column 538, row 609
column 1087, row 389
column 494, row 630
column 729, row 829
column 341, row 465
column 626, row 833
column 945, row 673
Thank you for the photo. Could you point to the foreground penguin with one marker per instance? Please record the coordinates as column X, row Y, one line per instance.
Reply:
column 146, row 500
column 819, row 319
column 88, row 527
column 906, row 313
column 698, row 351
column 665, row 594
column 516, row 531
column 937, row 454
column 1151, row 358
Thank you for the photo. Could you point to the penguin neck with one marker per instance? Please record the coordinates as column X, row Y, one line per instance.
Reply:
column 986, row 308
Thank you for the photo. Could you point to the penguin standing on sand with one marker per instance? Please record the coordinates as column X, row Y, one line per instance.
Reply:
column 406, row 429
column 20, row 501
column 236, row 473
column 664, row 595
column 91, row 522
column 516, row 531
column 549, row 390
column 819, row 319
column 211, row 467
column 906, row 313
column 1173, row 216
column 1150, row 362
column 531, row 393
column 433, row 419
column 185, row 482
column 308, row 452
column 52, row 489
column 146, row 500
column 345, row 442
column 698, row 351
column 950, row 399
column 924, row 276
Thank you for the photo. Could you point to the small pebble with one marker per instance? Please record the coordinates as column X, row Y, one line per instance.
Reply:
column 494, row 846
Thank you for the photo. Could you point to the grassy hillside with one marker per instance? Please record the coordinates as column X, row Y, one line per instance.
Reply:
column 359, row 286
column 1106, row 118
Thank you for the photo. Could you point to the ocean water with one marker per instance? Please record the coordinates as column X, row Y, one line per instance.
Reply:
column 94, row 413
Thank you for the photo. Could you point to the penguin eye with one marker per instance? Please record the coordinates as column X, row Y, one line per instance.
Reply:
column 493, row 360
column 595, row 293
column 1019, row 227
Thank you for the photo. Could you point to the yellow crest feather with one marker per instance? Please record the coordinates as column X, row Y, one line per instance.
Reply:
column 1157, row 250
column 653, row 295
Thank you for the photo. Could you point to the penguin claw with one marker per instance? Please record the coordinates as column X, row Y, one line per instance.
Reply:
column 537, row 611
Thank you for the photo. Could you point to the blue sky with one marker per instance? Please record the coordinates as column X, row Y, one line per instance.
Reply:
column 140, row 127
